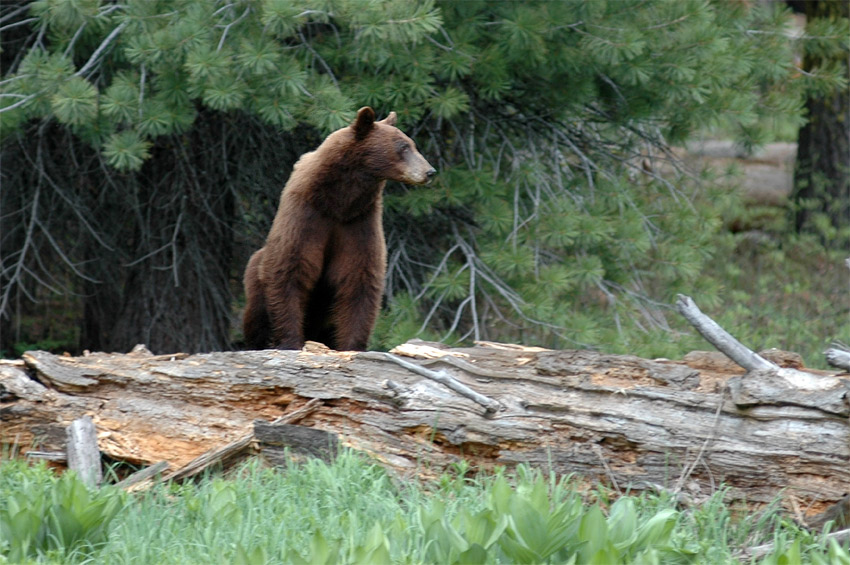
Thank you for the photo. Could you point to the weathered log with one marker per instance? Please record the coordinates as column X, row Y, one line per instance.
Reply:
column 614, row 418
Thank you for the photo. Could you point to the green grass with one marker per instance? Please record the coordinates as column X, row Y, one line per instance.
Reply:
column 352, row 511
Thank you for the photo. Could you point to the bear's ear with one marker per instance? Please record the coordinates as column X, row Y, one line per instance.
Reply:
column 363, row 122
column 390, row 120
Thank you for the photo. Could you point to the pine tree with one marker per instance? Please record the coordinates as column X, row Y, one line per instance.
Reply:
column 145, row 144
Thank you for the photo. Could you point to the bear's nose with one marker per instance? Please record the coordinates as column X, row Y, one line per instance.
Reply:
column 430, row 173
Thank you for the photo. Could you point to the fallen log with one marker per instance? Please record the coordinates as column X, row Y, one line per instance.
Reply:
column 618, row 419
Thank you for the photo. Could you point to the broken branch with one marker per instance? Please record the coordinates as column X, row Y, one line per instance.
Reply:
column 720, row 338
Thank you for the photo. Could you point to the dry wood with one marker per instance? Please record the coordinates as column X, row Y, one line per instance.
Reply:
column 83, row 454
column 614, row 418
column 720, row 338
column 838, row 358
column 141, row 478
column 234, row 449
column 766, row 382
column 442, row 377
column 53, row 456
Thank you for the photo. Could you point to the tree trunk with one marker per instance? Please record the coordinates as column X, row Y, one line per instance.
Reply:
column 822, row 174
column 629, row 422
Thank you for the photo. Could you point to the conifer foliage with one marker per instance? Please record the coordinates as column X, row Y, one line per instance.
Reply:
column 145, row 143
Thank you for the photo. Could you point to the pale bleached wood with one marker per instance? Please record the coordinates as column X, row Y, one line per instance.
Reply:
column 720, row 338
column 441, row 377
column 838, row 358
column 766, row 383
column 83, row 454
column 650, row 421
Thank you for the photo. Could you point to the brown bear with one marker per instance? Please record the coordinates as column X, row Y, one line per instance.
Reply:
column 320, row 275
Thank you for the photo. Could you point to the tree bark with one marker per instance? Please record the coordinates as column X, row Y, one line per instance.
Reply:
column 822, row 174
column 687, row 426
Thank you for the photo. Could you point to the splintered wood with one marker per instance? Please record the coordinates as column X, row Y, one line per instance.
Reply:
column 686, row 426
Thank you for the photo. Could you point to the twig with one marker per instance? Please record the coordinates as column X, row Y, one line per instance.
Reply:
column 15, row 278
column 316, row 55
column 18, row 23
column 608, row 471
column 55, row 456
column 20, row 102
column 142, row 89
column 70, row 47
column 442, row 377
column 15, row 12
column 227, row 28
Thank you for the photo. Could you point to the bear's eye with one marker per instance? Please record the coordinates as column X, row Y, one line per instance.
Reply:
column 403, row 148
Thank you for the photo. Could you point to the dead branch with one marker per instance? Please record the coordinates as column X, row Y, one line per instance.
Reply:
column 720, row 338
column 838, row 358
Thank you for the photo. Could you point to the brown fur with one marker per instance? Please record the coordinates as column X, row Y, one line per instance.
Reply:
column 320, row 275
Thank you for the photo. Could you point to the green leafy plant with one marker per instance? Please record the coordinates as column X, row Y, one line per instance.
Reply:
column 54, row 516
column 351, row 511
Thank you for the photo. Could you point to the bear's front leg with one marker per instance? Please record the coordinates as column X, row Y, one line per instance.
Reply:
column 286, row 311
column 357, row 275
column 290, row 276
column 355, row 313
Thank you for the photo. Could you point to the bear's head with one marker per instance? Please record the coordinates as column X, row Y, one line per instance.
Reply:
column 385, row 152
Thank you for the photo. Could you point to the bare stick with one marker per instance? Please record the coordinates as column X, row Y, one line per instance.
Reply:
column 54, row 456
column 720, row 338
column 20, row 102
column 83, row 454
column 227, row 28
column 209, row 458
column 441, row 377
